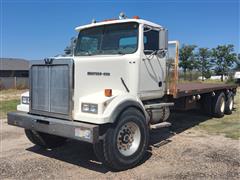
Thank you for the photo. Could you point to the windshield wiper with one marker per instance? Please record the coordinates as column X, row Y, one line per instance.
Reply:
column 120, row 52
column 86, row 52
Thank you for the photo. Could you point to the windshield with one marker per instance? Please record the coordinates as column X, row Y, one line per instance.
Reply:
column 108, row 39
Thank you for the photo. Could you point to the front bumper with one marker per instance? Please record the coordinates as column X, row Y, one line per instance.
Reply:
column 69, row 129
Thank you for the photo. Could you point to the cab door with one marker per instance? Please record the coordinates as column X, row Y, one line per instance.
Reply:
column 152, row 66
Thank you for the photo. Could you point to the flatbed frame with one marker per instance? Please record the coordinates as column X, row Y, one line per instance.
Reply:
column 188, row 89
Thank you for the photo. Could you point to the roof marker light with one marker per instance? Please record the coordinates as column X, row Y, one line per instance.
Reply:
column 136, row 17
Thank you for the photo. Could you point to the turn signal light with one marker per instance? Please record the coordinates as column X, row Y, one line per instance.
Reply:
column 108, row 92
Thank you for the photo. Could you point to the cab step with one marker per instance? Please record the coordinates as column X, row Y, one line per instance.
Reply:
column 158, row 105
column 160, row 125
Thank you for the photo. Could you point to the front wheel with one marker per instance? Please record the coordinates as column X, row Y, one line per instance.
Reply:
column 44, row 140
column 125, row 144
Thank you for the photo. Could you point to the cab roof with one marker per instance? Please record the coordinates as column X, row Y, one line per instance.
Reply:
column 140, row 21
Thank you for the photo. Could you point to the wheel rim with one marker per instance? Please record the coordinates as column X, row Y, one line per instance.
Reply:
column 231, row 104
column 128, row 139
column 222, row 107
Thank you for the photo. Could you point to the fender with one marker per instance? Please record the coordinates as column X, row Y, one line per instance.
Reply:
column 122, row 102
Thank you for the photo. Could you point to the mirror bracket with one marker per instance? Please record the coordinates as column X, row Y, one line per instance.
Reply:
column 161, row 53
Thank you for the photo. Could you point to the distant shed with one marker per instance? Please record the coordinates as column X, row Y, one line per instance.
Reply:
column 14, row 73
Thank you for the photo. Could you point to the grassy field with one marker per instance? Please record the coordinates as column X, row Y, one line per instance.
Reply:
column 229, row 125
column 9, row 99
column 7, row 106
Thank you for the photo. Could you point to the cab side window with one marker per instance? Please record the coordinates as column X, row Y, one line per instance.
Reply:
column 151, row 40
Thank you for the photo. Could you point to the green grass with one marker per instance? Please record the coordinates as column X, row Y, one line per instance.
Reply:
column 229, row 125
column 7, row 106
column 8, row 91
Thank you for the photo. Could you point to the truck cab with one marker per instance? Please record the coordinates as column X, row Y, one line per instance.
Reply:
column 114, row 55
column 125, row 57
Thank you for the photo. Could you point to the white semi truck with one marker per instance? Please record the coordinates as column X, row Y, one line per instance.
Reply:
column 120, row 83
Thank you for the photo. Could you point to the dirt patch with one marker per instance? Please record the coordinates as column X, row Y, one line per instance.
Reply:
column 174, row 153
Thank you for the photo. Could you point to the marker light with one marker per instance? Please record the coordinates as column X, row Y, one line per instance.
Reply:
column 108, row 92
column 136, row 17
column 25, row 100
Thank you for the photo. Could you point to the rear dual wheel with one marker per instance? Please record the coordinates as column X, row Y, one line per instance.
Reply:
column 125, row 143
column 222, row 105
column 219, row 104
column 229, row 103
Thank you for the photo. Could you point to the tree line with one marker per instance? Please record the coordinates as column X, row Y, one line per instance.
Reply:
column 219, row 60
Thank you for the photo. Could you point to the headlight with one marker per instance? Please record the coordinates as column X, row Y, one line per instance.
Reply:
column 90, row 108
column 25, row 100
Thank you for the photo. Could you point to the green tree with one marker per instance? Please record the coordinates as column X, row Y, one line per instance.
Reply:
column 237, row 67
column 186, row 57
column 223, row 58
column 204, row 64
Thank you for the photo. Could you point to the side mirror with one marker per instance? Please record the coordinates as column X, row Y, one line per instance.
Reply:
column 163, row 39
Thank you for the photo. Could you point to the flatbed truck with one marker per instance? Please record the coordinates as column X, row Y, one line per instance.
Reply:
column 121, row 82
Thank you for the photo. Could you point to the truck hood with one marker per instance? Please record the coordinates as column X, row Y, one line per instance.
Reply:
column 94, row 74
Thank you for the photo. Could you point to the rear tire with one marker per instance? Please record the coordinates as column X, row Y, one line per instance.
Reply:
column 229, row 104
column 125, row 143
column 219, row 104
column 44, row 140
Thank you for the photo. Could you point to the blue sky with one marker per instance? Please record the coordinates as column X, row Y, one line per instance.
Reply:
column 35, row 29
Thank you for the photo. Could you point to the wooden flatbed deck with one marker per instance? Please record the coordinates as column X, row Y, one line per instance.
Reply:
column 188, row 89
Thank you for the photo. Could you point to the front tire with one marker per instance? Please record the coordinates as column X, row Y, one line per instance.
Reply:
column 44, row 140
column 125, row 143
column 99, row 153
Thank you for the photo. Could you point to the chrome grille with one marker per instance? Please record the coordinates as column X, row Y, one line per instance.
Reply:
column 51, row 89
